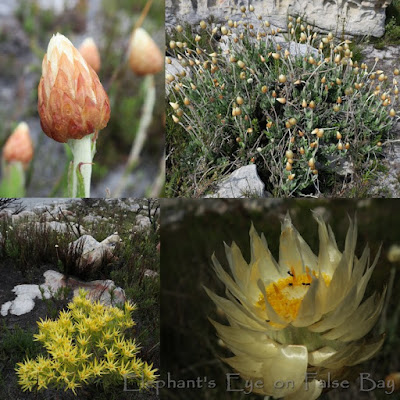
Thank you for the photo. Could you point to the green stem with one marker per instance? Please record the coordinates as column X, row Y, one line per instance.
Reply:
column 13, row 180
column 145, row 120
column 83, row 151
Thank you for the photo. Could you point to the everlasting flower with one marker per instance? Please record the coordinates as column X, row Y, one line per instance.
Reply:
column 19, row 146
column 90, row 53
column 72, row 102
column 145, row 57
column 303, row 315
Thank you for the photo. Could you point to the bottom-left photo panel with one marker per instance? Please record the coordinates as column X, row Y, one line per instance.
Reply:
column 79, row 298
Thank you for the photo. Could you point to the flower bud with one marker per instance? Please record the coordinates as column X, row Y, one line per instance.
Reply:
column 90, row 53
column 289, row 154
column 19, row 146
column 282, row 78
column 145, row 57
column 239, row 100
column 72, row 102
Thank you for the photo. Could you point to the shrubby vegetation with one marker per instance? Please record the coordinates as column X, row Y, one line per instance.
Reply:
column 26, row 251
column 86, row 344
column 300, row 108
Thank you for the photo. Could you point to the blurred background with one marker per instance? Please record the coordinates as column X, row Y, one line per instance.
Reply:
column 26, row 27
column 191, row 230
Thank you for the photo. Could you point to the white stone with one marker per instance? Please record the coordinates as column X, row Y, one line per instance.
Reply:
column 244, row 182
column 24, row 302
column 61, row 227
column 150, row 273
column 90, row 219
column 142, row 222
column 93, row 252
column 24, row 216
column 105, row 291
column 354, row 17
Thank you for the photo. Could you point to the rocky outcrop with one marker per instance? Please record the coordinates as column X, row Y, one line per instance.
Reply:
column 354, row 17
column 104, row 291
column 94, row 252
column 244, row 182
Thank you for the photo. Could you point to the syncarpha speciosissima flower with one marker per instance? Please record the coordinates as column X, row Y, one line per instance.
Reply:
column 73, row 107
column 72, row 102
column 301, row 320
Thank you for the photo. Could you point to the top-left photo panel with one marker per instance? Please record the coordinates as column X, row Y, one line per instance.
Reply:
column 82, row 98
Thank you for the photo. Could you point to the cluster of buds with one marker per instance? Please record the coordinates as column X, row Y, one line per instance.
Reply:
column 291, row 95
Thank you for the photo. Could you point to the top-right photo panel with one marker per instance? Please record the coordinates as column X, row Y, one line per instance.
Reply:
column 282, row 98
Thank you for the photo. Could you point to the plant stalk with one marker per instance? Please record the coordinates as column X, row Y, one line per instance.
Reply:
column 83, row 151
column 145, row 120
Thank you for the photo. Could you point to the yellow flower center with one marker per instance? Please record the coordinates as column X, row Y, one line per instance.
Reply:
column 286, row 295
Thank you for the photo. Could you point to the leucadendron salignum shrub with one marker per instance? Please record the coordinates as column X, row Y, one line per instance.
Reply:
column 86, row 345
column 297, row 105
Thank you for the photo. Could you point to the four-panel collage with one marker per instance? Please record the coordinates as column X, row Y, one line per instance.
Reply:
column 199, row 199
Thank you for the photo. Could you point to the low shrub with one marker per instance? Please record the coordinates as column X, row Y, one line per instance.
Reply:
column 86, row 344
column 301, row 108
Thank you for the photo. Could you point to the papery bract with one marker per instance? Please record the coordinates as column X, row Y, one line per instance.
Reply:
column 72, row 102
column 305, row 314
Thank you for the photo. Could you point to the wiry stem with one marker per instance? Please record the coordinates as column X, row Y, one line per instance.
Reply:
column 141, row 135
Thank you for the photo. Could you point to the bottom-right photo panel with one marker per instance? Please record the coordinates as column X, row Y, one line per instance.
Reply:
column 270, row 299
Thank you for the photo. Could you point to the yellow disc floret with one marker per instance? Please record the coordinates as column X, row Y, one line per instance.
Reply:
column 286, row 295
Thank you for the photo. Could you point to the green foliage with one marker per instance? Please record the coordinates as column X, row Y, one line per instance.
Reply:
column 35, row 21
column 139, row 257
column 86, row 345
column 392, row 33
column 392, row 28
column 17, row 343
column 393, row 11
column 260, row 101
column 30, row 245
column 13, row 181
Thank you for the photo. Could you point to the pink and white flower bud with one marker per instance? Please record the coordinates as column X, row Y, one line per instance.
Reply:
column 19, row 147
column 72, row 102
column 145, row 57
column 90, row 53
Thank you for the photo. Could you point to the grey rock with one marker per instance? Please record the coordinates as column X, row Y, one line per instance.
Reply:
column 340, row 166
column 93, row 252
column 150, row 273
column 354, row 17
column 244, row 182
column 143, row 223
column 24, row 216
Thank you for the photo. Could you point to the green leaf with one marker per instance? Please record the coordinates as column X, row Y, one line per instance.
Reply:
column 13, row 182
